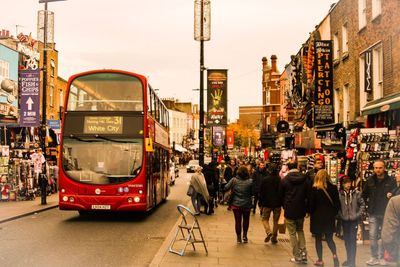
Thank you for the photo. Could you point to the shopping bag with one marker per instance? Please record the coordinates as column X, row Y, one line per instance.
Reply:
column 281, row 223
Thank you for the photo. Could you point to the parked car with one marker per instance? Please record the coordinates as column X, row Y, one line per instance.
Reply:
column 192, row 165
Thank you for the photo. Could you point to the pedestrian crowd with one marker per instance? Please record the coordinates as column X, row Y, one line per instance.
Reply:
column 286, row 196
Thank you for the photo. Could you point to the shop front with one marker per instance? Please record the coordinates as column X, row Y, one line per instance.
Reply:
column 383, row 112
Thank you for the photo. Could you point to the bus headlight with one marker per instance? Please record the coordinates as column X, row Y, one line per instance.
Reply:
column 140, row 191
column 65, row 198
column 62, row 190
column 126, row 189
column 71, row 199
column 136, row 199
column 130, row 200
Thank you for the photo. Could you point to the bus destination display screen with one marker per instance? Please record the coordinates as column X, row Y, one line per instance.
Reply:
column 103, row 125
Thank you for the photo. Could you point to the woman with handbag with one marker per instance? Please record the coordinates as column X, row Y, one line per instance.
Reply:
column 199, row 185
column 324, row 206
column 242, row 191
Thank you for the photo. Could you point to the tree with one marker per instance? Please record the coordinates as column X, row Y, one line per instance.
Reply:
column 244, row 135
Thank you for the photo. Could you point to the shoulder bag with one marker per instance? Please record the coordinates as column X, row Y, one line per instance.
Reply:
column 229, row 194
column 328, row 196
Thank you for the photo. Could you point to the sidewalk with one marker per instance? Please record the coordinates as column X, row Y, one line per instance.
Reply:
column 12, row 210
column 219, row 233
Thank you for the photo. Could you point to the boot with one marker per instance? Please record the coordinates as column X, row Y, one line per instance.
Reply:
column 335, row 261
column 239, row 239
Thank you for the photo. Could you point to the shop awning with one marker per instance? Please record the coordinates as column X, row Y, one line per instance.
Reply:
column 384, row 104
column 180, row 148
column 328, row 127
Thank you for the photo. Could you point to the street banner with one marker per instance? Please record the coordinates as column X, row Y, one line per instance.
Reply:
column 217, row 95
column 218, row 136
column 29, row 81
column 230, row 139
column 323, row 94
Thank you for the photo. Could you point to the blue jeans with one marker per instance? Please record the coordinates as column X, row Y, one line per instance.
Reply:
column 350, row 240
column 375, row 227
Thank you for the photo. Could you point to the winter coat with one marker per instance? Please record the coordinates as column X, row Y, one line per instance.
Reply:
column 258, row 176
column 243, row 191
column 270, row 192
column 294, row 195
column 352, row 205
column 372, row 199
column 391, row 225
column 310, row 175
column 323, row 212
column 211, row 176
column 228, row 173
column 199, row 184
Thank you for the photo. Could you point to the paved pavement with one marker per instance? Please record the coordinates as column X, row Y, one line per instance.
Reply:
column 218, row 230
column 12, row 210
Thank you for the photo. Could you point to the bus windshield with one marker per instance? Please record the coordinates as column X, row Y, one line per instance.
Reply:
column 105, row 92
column 102, row 160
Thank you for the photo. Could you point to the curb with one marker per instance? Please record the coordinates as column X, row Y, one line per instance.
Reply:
column 157, row 259
column 27, row 214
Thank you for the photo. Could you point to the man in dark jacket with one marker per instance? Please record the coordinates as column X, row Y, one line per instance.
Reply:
column 318, row 165
column 211, row 176
column 230, row 170
column 270, row 202
column 376, row 191
column 294, row 198
column 259, row 174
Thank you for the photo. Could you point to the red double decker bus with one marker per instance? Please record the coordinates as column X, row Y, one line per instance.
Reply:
column 114, row 144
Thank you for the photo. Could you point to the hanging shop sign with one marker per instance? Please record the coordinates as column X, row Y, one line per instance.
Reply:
column 54, row 124
column 217, row 94
column 323, row 94
column 368, row 71
column 30, row 101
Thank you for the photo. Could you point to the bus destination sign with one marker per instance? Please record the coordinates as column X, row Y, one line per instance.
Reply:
column 103, row 125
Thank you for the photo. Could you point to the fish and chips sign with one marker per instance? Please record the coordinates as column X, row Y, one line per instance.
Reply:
column 323, row 94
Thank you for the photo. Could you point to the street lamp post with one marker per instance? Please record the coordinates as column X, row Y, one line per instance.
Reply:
column 202, row 20
column 43, row 183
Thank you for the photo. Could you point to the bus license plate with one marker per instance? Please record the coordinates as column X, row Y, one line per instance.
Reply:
column 101, row 207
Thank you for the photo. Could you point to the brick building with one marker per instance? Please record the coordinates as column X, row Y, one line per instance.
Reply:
column 366, row 41
column 270, row 94
column 251, row 116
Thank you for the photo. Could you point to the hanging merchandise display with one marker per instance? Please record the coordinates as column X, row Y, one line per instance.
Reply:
column 17, row 178
column 378, row 143
column 5, row 186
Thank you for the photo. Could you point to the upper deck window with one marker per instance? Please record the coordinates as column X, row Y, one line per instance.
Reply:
column 106, row 92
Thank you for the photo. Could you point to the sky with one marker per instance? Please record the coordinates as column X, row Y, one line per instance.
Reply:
column 155, row 38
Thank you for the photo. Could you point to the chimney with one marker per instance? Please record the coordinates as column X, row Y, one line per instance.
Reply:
column 264, row 63
column 273, row 63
